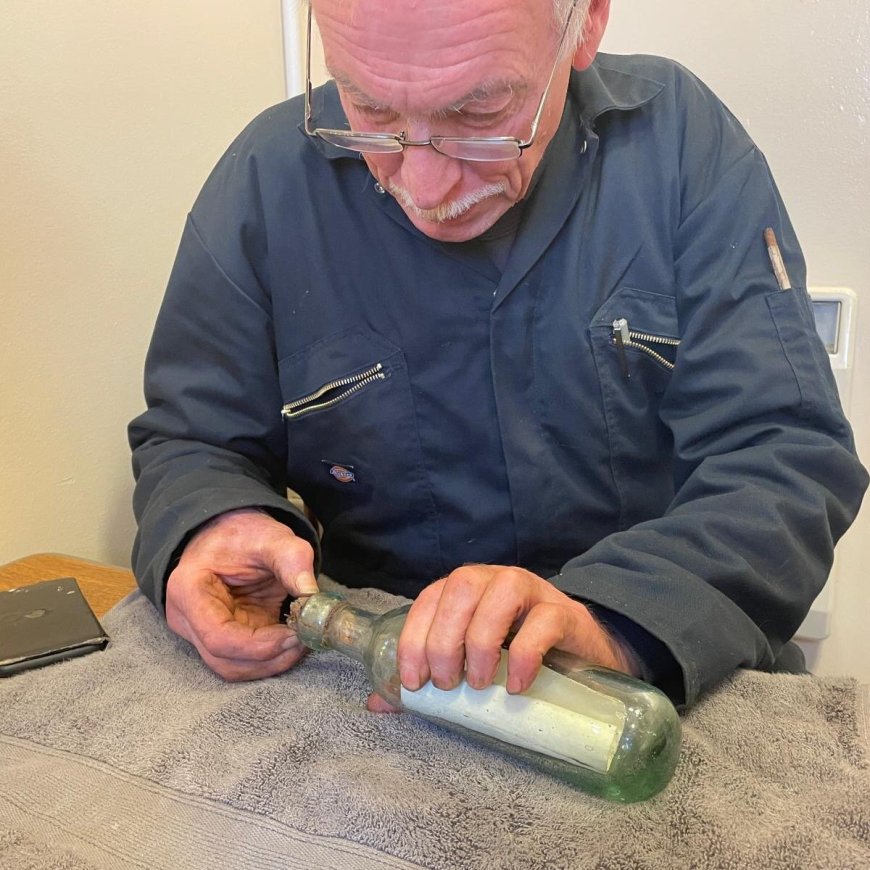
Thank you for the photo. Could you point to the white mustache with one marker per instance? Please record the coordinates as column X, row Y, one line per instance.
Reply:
column 447, row 211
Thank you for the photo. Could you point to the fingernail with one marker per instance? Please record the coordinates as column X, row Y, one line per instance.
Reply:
column 290, row 643
column 513, row 685
column 445, row 683
column 474, row 681
column 305, row 583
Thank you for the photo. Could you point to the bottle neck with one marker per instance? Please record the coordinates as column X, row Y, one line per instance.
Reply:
column 349, row 631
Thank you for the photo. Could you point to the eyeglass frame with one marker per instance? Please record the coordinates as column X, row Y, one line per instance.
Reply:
column 399, row 138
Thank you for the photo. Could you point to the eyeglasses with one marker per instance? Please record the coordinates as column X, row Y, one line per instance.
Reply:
column 480, row 148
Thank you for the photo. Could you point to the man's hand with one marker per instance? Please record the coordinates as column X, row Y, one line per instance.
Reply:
column 225, row 594
column 457, row 626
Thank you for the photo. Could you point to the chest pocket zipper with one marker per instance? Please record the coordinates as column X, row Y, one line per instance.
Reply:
column 624, row 337
column 332, row 393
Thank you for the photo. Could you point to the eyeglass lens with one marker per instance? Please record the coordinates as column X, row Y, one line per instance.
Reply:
column 461, row 149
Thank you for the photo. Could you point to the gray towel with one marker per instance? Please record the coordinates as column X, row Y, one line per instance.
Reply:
column 139, row 756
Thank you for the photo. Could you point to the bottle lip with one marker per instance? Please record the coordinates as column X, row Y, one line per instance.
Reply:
column 309, row 616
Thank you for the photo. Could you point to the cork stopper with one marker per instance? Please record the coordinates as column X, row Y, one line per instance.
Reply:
column 295, row 611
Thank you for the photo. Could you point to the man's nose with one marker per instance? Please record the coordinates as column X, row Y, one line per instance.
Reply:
column 428, row 175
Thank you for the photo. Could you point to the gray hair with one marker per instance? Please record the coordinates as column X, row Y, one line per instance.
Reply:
column 562, row 9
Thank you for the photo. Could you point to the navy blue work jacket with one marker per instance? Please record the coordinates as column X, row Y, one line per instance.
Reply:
column 689, row 483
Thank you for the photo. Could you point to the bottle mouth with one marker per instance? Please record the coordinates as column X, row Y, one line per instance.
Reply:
column 309, row 617
column 294, row 613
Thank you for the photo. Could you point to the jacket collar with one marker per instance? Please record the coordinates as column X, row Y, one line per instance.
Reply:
column 608, row 86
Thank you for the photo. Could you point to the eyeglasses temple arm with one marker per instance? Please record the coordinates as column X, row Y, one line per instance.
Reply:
column 537, row 119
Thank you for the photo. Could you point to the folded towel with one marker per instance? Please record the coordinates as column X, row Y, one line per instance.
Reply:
column 139, row 756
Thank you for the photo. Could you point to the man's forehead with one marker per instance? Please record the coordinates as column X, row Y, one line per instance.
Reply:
column 461, row 49
column 420, row 23
column 431, row 9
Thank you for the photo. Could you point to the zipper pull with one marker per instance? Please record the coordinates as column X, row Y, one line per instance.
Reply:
column 621, row 338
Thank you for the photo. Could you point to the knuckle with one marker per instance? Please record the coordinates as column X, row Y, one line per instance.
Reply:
column 523, row 645
column 508, row 581
column 300, row 547
column 480, row 644
column 548, row 612
column 439, row 649
column 431, row 593
column 509, row 574
column 464, row 579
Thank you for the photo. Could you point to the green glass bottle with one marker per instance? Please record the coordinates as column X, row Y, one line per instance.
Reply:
column 598, row 729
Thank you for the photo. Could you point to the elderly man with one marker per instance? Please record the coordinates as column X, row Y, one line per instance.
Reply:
column 502, row 313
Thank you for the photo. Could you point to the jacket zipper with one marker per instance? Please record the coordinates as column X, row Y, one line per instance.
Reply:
column 624, row 337
column 346, row 387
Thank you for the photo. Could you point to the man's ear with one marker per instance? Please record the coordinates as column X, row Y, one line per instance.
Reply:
column 593, row 32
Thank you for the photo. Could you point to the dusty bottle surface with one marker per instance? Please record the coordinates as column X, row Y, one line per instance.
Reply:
column 601, row 730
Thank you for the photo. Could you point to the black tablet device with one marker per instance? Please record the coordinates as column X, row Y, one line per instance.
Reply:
column 46, row 622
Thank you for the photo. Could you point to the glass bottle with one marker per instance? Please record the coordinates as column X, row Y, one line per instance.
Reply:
column 601, row 730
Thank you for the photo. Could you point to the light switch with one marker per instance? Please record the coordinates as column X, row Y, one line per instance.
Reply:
column 827, row 314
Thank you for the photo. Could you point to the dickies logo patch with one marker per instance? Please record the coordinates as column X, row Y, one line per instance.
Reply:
column 342, row 473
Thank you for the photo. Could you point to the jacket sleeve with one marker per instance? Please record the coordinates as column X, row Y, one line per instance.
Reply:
column 212, row 438
column 766, row 478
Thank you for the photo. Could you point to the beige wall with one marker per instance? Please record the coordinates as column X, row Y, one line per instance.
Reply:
column 111, row 115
